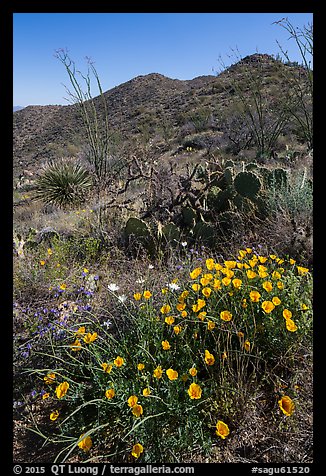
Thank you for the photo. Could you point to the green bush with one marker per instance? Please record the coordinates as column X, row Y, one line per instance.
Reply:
column 172, row 370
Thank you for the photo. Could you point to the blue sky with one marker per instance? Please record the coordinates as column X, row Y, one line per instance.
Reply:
column 126, row 45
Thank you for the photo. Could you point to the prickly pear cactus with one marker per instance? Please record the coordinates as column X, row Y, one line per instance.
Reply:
column 251, row 166
column 218, row 200
column 247, row 184
column 137, row 231
column 205, row 232
column 171, row 233
column 277, row 177
column 189, row 216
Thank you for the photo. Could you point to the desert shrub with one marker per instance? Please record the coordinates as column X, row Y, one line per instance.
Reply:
column 173, row 369
column 63, row 183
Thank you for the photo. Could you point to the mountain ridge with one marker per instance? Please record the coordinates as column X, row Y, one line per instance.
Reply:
column 147, row 103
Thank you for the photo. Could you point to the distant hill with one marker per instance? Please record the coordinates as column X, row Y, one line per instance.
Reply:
column 165, row 109
column 17, row 108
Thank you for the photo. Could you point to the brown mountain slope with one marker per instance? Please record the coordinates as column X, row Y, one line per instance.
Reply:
column 145, row 103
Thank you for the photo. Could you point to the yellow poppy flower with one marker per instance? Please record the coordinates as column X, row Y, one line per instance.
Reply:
column 166, row 345
column 209, row 358
column 217, row 284
column 226, row 315
column 54, row 415
column 230, row 264
column 165, row 309
column 207, row 292
column 177, row 330
column 194, row 391
column 172, row 374
column 226, row 281
column 137, row 410
column 140, row 366
column 106, row 367
column 81, row 331
column 228, row 273
column 62, row 389
column 222, row 429
column 254, row 296
column 237, row 283
column 195, row 273
column 268, row 306
column 286, row 405
column 193, row 371
column 210, row 325
column 280, row 285
column 253, row 262
column 201, row 315
column 158, row 372
column 76, row 346
column 45, row 395
column 132, row 400
column 290, row 325
column 181, row 306
column 262, row 259
column 196, row 287
column 169, row 320
column 86, row 443
column 287, row 314
column 246, row 345
column 118, row 361
column 200, row 304
column 276, row 301
column 89, row 338
column 147, row 294
column 137, row 449
column 146, row 392
column 49, row 378
column 210, row 264
column 184, row 295
column 276, row 275
column 110, row 393
column 137, row 296
column 218, row 267
column 251, row 274
column 302, row 271
column 268, row 286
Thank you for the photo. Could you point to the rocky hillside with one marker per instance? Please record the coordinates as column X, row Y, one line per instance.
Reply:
column 164, row 109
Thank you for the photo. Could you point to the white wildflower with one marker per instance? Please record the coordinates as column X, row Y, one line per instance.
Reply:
column 113, row 287
column 173, row 286
column 122, row 298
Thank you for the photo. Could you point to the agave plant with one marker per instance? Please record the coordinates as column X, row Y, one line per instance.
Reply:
column 63, row 183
